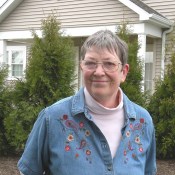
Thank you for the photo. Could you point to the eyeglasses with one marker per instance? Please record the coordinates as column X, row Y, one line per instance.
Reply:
column 108, row 66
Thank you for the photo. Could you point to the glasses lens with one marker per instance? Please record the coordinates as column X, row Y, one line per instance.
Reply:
column 89, row 65
column 109, row 66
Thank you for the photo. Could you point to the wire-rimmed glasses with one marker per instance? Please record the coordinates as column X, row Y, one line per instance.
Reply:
column 108, row 66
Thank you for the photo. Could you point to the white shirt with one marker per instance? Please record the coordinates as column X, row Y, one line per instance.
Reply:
column 109, row 120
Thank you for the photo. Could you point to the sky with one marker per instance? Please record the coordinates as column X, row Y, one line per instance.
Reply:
column 2, row 2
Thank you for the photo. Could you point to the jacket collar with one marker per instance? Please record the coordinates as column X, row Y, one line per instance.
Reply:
column 78, row 105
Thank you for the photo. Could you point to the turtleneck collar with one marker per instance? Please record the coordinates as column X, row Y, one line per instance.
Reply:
column 99, row 109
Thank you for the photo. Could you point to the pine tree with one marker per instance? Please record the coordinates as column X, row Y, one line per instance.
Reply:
column 51, row 65
column 4, row 108
column 133, row 84
column 49, row 77
column 162, row 108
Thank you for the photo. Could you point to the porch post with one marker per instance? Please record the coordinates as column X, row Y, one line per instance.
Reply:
column 142, row 54
column 3, row 48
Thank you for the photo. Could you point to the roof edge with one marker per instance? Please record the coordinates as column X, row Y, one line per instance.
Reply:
column 163, row 22
column 159, row 20
column 7, row 8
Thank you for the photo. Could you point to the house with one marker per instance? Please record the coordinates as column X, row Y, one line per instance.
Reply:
column 150, row 21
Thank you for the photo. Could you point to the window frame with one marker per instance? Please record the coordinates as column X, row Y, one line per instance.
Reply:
column 148, row 78
column 9, row 63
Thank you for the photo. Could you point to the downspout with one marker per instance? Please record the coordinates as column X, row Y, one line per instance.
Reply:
column 163, row 50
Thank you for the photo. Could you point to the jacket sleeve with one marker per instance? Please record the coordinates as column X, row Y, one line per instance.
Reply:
column 35, row 156
column 150, row 167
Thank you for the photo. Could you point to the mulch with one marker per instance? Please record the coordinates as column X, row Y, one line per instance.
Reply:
column 165, row 167
column 8, row 166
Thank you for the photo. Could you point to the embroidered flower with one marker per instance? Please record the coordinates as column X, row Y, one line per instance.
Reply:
column 67, row 148
column 124, row 152
column 128, row 134
column 126, row 160
column 81, row 124
column 141, row 149
column 130, row 146
column 71, row 124
column 82, row 144
column 133, row 140
column 65, row 117
column 70, row 137
column 142, row 120
column 131, row 125
column 88, row 152
column 138, row 126
column 75, row 139
column 87, row 133
column 134, row 156
column 76, row 155
column 137, row 139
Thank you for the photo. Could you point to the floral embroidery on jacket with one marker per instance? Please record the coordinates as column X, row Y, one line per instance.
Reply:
column 73, row 130
column 133, row 139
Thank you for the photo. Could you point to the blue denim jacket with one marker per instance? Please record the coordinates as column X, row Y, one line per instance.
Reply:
column 65, row 141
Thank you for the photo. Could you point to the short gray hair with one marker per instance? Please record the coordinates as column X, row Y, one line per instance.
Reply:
column 108, row 40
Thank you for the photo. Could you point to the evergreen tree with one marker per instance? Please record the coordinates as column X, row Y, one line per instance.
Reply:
column 51, row 65
column 49, row 77
column 162, row 108
column 133, row 84
column 4, row 108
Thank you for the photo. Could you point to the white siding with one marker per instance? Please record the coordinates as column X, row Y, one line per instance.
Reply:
column 71, row 13
column 165, row 7
column 158, row 55
column 170, row 47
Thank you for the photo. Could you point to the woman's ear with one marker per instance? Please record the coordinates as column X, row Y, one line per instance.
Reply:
column 80, row 66
column 125, row 71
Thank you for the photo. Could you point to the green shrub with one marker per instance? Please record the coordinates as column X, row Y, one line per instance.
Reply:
column 133, row 84
column 19, row 123
column 49, row 77
column 4, row 109
column 162, row 108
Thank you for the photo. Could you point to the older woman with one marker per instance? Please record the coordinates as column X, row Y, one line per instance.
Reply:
column 98, row 131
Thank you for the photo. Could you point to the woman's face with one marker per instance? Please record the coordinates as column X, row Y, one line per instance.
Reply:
column 103, row 85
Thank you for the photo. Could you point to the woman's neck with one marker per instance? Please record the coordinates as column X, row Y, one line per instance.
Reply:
column 113, row 102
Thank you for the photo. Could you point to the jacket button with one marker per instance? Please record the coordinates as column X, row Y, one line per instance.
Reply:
column 109, row 167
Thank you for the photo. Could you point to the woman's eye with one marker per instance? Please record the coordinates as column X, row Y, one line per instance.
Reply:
column 109, row 63
column 90, row 63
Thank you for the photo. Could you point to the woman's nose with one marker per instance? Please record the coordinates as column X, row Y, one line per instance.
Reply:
column 99, row 69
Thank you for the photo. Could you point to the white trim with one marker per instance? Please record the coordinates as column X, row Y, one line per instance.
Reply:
column 8, row 7
column 145, row 16
column 18, row 48
column 12, row 35
column 160, row 21
column 86, row 31
column 142, row 13
column 5, row 6
column 142, row 54
column 142, row 28
column 147, row 29
column 3, row 46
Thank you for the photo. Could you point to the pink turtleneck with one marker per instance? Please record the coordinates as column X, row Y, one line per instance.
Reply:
column 109, row 120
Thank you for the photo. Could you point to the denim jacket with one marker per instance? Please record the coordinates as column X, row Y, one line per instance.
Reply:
column 65, row 141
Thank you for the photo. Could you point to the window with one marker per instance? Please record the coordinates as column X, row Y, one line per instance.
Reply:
column 149, row 71
column 16, row 61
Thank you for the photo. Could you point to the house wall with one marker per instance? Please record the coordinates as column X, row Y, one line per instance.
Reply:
column 170, row 46
column 71, row 13
column 165, row 7
column 157, row 58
